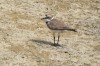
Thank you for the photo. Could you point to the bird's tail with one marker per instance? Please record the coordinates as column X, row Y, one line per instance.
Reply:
column 72, row 30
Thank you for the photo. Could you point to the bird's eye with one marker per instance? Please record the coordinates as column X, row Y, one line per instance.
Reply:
column 46, row 22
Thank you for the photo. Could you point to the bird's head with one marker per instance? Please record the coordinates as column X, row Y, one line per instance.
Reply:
column 47, row 18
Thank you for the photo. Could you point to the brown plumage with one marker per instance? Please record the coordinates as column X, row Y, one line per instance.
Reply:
column 55, row 24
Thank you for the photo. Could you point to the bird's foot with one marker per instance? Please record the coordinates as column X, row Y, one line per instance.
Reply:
column 56, row 44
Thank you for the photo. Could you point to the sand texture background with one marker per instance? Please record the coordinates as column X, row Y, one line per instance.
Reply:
column 25, row 40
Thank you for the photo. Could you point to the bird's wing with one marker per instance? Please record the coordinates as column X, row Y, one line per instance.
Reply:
column 57, row 25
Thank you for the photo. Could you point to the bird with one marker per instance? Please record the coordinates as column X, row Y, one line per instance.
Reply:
column 56, row 26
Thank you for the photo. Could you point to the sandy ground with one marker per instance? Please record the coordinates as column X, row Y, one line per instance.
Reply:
column 25, row 40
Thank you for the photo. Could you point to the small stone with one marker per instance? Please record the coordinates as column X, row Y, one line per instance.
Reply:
column 23, row 57
column 74, row 59
column 65, row 52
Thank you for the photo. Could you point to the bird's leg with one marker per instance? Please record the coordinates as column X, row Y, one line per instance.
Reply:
column 58, row 38
column 54, row 37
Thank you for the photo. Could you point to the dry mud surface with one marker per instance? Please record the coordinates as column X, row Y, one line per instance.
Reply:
column 25, row 40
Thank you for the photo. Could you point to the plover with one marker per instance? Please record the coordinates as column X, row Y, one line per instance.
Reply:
column 56, row 26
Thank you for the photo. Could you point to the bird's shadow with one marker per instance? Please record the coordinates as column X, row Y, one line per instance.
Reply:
column 45, row 42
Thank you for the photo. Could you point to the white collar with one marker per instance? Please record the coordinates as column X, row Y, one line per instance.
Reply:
column 52, row 18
